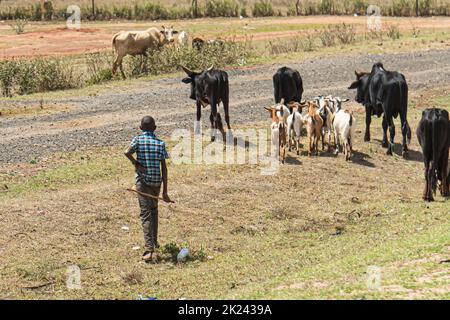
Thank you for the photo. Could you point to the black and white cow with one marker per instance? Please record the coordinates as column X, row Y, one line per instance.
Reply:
column 210, row 87
column 382, row 91
column 288, row 85
column 433, row 134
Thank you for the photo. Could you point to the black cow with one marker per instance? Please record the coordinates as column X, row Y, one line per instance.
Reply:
column 385, row 92
column 433, row 134
column 288, row 85
column 210, row 87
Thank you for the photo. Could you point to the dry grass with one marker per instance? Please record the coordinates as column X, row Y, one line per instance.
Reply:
column 308, row 232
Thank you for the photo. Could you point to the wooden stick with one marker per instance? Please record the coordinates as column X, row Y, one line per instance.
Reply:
column 147, row 195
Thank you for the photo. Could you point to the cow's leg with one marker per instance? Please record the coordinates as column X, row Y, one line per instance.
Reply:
column 427, row 185
column 213, row 128
column 226, row 109
column 116, row 63
column 219, row 125
column 368, row 121
column 121, row 69
column 197, row 125
column 406, row 132
column 390, row 122
column 144, row 62
column 384, row 124
column 431, row 175
column 443, row 169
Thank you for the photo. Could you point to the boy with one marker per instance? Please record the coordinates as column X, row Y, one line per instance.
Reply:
column 151, row 169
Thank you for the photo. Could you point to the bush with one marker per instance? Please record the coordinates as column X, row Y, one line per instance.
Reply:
column 37, row 75
column 19, row 25
column 345, row 33
column 393, row 32
column 99, row 68
column 263, row 8
column 8, row 72
column 328, row 36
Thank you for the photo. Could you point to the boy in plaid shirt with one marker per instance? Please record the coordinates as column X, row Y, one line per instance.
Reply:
column 151, row 170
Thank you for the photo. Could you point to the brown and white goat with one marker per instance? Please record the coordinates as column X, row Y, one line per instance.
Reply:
column 314, row 123
column 279, row 114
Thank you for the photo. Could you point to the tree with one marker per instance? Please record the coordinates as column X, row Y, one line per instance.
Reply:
column 297, row 7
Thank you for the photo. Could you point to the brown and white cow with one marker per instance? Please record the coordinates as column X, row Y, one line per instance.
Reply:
column 138, row 42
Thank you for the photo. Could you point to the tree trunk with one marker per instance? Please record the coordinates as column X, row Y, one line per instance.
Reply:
column 417, row 8
column 93, row 9
column 297, row 8
column 194, row 6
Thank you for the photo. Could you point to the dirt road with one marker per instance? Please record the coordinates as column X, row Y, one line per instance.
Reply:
column 111, row 119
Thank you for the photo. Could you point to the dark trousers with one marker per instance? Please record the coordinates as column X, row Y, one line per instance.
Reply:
column 149, row 214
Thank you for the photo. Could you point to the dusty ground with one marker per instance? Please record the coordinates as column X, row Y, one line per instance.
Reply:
column 112, row 118
column 42, row 39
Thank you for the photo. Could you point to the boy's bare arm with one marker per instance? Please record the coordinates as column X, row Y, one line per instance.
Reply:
column 164, row 180
column 129, row 154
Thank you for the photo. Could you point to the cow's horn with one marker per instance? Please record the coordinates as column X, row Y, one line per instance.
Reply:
column 210, row 68
column 282, row 101
column 189, row 72
column 359, row 74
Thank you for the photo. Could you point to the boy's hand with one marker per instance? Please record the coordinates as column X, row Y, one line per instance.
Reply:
column 165, row 197
column 139, row 167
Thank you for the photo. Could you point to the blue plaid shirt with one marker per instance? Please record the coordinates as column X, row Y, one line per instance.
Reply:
column 150, row 152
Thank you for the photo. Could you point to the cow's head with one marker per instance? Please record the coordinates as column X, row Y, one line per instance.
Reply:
column 198, row 85
column 362, row 87
column 168, row 33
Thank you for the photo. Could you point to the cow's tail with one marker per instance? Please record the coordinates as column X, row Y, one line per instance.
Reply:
column 113, row 41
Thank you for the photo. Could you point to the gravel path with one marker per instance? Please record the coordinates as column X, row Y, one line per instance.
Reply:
column 113, row 118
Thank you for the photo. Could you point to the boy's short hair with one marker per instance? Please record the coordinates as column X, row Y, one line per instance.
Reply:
column 147, row 122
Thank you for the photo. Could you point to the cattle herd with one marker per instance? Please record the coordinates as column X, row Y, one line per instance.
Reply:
column 383, row 93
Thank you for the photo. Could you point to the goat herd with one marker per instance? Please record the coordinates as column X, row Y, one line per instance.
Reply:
column 383, row 93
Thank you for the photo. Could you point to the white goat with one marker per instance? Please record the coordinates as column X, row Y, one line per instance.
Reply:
column 344, row 124
column 295, row 123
